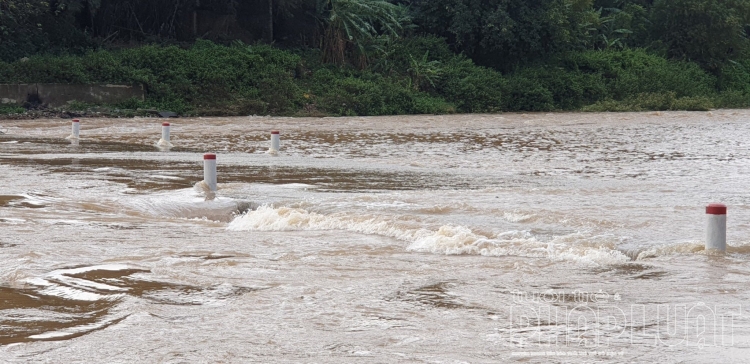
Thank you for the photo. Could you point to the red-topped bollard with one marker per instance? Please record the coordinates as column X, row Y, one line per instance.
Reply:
column 209, row 171
column 716, row 231
column 275, row 141
column 76, row 129
column 165, row 132
column 164, row 143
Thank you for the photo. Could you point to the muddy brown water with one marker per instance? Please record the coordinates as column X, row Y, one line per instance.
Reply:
column 460, row 238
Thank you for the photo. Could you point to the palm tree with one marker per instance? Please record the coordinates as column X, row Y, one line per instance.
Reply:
column 350, row 24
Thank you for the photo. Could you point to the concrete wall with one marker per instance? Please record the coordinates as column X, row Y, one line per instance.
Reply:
column 58, row 94
column 16, row 94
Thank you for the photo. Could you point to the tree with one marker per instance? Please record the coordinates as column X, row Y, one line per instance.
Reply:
column 709, row 32
column 504, row 33
column 33, row 26
column 351, row 24
column 283, row 9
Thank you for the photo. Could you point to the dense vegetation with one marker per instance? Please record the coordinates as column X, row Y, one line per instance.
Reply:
column 376, row 57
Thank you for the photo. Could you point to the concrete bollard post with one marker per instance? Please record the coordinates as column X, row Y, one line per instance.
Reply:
column 76, row 129
column 165, row 132
column 716, row 231
column 209, row 171
column 164, row 143
column 275, row 141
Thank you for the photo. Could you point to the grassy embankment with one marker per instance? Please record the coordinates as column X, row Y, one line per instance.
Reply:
column 421, row 77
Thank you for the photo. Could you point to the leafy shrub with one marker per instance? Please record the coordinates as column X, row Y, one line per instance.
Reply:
column 47, row 69
column 11, row 109
column 570, row 89
column 425, row 104
column 609, row 106
column 630, row 72
column 525, row 94
column 696, row 103
column 212, row 79
column 455, row 78
column 735, row 77
column 653, row 101
column 363, row 93
column 732, row 99
column 471, row 88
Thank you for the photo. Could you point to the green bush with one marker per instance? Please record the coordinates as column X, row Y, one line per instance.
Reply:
column 341, row 92
column 569, row 89
column 425, row 104
column 732, row 99
column 471, row 88
column 630, row 72
column 653, row 101
column 46, row 69
column 525, row 94
column 457, row 79
column 609, row 106
column 610, row 81
column 695, row 103
column 212, row 79
column 735, row 77
column 11, row 109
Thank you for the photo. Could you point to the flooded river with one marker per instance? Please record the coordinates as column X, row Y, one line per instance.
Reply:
column 421, row 239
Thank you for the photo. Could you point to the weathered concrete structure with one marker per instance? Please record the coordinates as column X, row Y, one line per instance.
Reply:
column 17, row 93
column 58, row 94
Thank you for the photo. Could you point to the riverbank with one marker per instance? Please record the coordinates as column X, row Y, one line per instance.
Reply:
column 422, row 76
column 70, row 113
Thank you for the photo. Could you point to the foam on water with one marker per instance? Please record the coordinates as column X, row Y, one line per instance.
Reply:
column 267, row 218
column 446, row 239
column 159, row 176
column 164, row 144
column 578, row 247
column 517, row 217
column 672, row 249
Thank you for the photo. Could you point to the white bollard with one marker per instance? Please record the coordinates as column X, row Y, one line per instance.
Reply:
column 209, row 171
column 76, row 132
column 275, row 141
column 165, row 132
column 716, row 232
column 164, row 143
